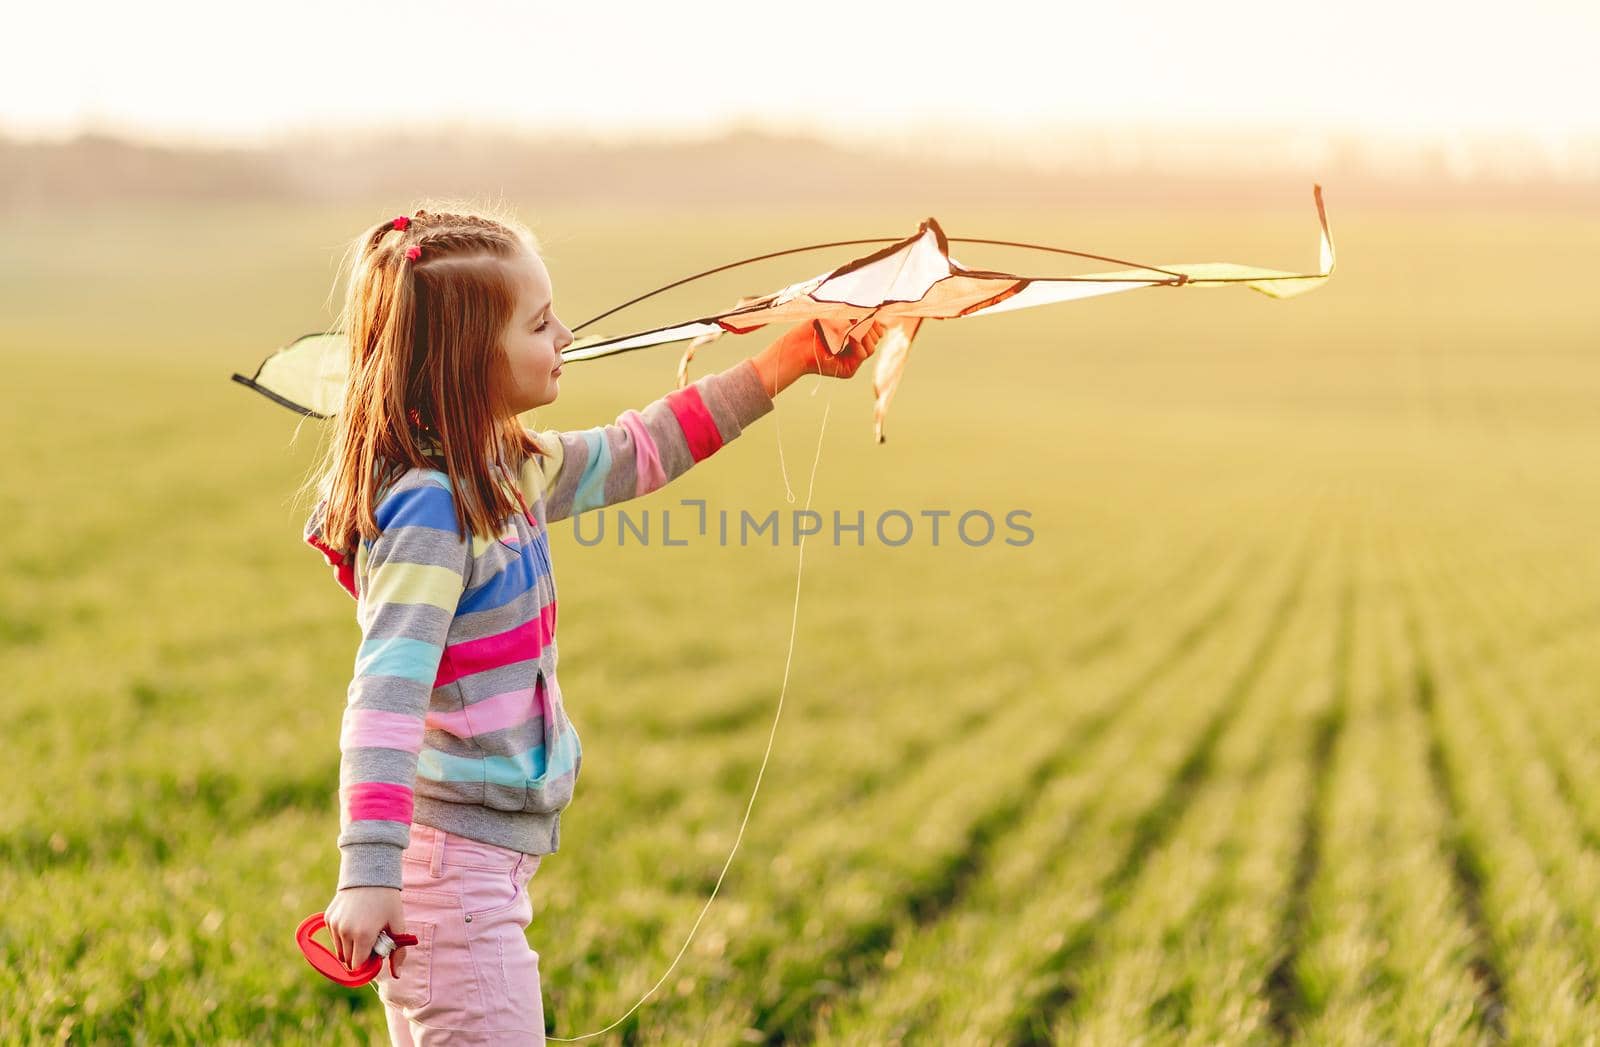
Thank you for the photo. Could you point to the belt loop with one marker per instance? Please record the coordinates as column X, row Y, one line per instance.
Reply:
column 436, row 863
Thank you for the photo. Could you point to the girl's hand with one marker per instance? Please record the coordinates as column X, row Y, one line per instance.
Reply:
column 804, row 350
column 354, row 918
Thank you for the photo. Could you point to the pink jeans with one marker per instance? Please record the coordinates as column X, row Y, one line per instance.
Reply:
column 472, row 977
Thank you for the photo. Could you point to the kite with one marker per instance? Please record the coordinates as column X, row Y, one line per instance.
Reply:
column 898, row 286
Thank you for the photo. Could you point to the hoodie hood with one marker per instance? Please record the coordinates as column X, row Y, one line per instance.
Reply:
column 343, row 561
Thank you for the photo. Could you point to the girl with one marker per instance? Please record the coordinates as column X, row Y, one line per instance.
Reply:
column 457, row 756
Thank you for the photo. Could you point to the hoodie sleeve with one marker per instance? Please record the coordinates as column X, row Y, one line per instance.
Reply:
column 411, row 579
column 643, row 450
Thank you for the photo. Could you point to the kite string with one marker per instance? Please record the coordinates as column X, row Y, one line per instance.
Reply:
column 783, row 466
column 794, row 620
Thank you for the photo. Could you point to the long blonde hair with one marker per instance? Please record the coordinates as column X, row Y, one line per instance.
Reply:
column 426, row 368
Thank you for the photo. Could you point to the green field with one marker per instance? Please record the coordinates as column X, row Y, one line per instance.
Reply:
column 1280, row 729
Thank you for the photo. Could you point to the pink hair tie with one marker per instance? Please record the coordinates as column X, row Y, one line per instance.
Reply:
column 413, row 253
column 402, row 222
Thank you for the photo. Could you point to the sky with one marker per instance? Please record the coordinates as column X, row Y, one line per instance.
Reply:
column 184, row 72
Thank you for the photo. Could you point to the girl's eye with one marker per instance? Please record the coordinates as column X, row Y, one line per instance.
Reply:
column 542, row 325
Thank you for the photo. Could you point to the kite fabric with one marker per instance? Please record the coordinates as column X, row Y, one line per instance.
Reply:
column 898, row 286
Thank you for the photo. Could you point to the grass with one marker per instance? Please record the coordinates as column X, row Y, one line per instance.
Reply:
column 1279, row 730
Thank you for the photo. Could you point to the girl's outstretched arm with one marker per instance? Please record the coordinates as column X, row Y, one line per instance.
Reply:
column 644, row 450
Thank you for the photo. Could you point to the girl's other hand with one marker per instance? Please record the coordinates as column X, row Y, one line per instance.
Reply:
column 354, row 918
column 804, row 349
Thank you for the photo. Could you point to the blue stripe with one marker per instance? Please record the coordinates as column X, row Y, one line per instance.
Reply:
column 426, row 506
column 515, row 578
column 519, row 772
column 399, row 656
column 591, row 492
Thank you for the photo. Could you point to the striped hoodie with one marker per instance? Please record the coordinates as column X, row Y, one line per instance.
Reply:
column 454, row 718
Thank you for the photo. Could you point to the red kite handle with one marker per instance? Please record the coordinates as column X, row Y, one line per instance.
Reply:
column 328, row 965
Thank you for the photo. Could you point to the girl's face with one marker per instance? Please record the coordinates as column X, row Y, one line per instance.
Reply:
column 534, row 338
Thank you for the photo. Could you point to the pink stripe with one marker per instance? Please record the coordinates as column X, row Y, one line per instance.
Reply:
column 511, row 709
column 379, row 729
column 698, row 426
column 647, row 459
column 520, row 644
column 381, row 801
